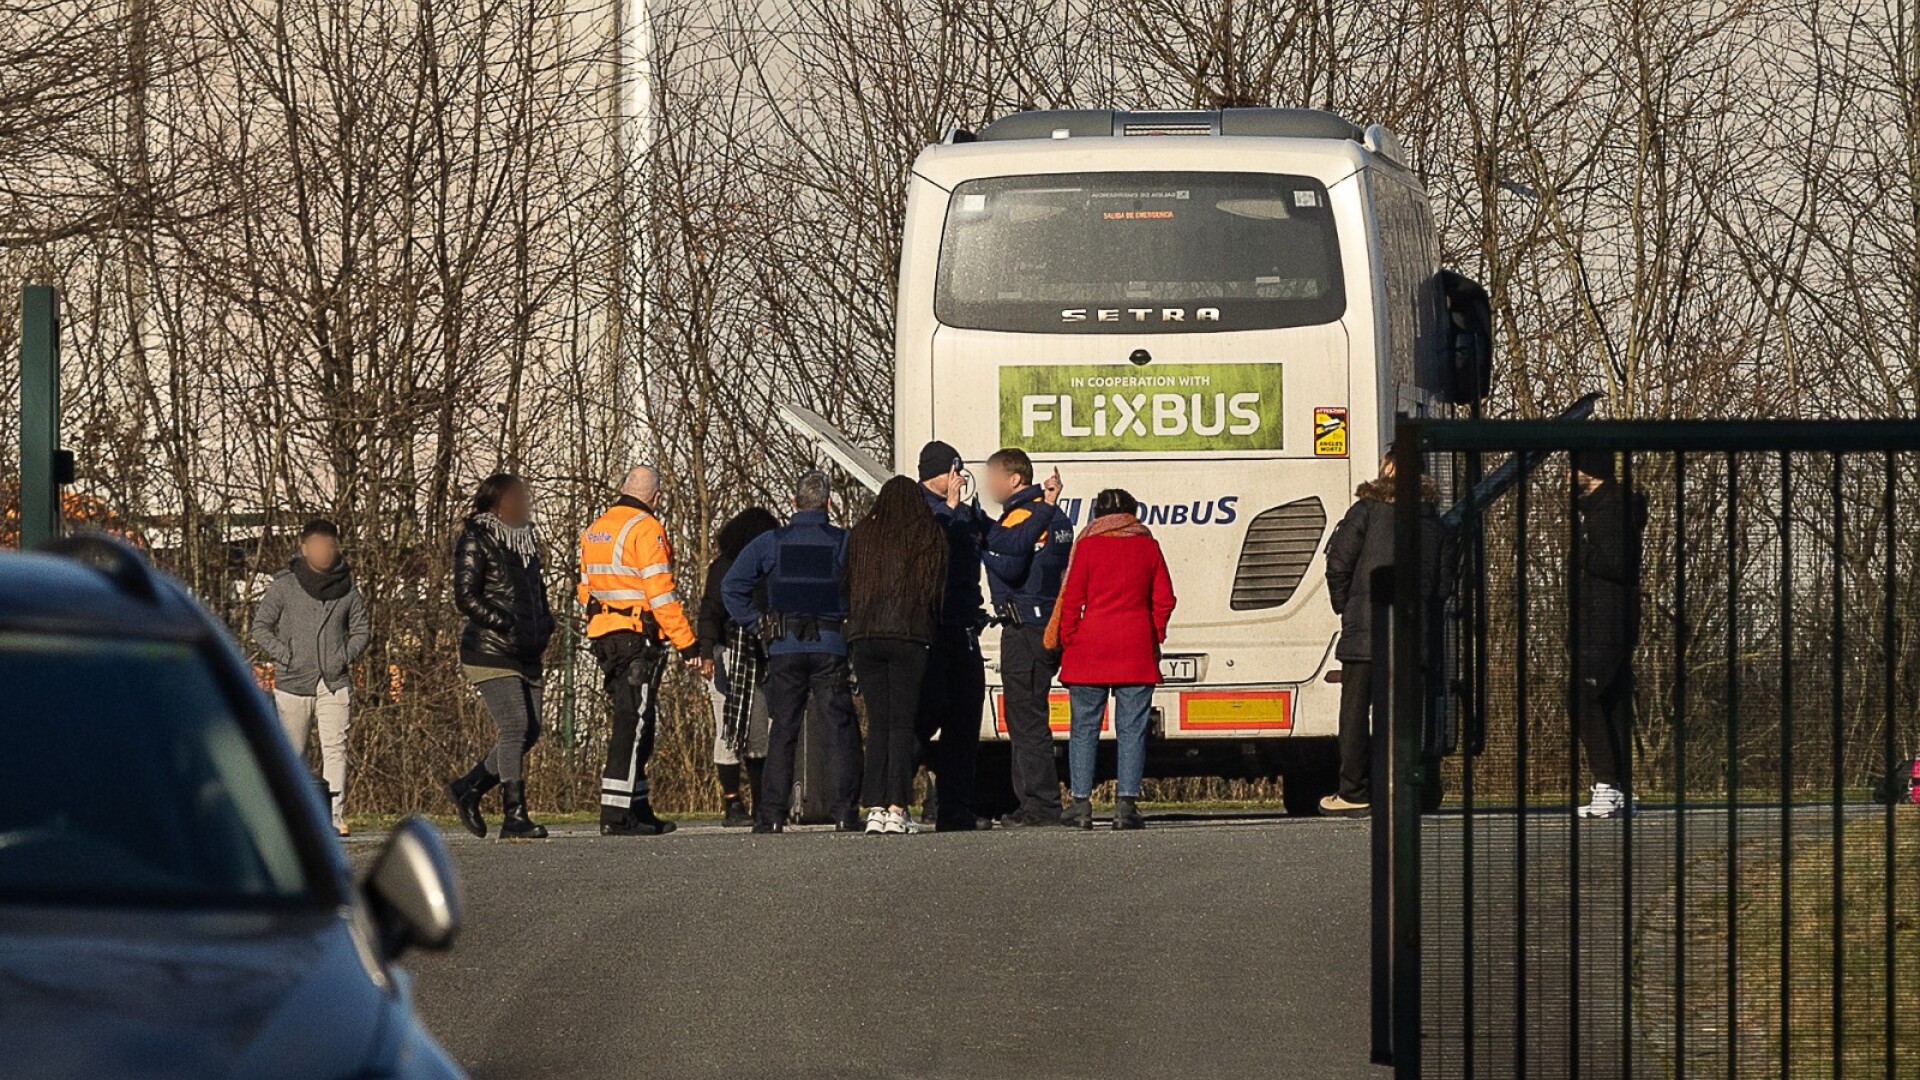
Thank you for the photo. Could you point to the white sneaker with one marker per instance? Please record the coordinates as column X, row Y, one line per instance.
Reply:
column 1608, row 802
column 876, row 821
column 896, row 823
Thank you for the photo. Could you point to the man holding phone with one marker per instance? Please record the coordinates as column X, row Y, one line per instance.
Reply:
column 955, row 686
column 1026, row 555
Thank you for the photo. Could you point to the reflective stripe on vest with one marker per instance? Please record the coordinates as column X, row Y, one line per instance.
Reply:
column 615, row 580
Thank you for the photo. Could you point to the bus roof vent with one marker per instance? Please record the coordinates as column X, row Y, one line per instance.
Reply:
column 1280, row 545
column 1289, row 123
column 1168, row 123
column 1048, row 123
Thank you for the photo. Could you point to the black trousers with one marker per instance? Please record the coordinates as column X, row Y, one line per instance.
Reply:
column 632, row 664
column 1027, row 668
column 1603, row 717
column 795, row 681
column 890, row 674
column 951, row 697
column 1356, row 731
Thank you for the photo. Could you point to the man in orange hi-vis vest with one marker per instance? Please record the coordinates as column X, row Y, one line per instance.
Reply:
column 634, row 614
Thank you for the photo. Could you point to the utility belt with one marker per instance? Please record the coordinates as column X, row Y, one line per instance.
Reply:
column 777, row 627
column 1017, row 615
column 642, row 617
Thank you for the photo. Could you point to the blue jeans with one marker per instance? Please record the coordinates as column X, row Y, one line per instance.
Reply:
column 1131, row 707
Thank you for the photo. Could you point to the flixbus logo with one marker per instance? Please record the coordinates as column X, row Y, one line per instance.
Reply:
column 1103, row 408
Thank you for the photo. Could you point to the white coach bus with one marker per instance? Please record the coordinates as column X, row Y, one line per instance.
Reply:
column 1221, row 312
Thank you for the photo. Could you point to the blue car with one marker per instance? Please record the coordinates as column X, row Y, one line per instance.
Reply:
column 172, row 900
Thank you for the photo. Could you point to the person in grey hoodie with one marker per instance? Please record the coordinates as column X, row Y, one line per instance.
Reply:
column 313, row 623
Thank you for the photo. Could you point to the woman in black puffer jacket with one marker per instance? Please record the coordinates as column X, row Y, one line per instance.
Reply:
column 497, row 585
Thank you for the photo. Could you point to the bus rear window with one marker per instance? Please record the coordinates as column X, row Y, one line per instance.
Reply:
column 1131, row 253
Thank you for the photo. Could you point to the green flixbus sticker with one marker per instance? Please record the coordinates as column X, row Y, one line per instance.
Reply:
column 1095, row 408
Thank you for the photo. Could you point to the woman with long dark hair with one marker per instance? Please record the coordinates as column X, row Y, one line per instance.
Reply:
column 735, row 665
column 896, row 580
column 498, row 586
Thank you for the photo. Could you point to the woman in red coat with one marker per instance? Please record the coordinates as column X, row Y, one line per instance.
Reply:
column 1113, row 614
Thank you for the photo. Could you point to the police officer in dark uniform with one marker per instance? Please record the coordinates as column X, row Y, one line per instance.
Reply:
column 954, row 689
column 802, row 565
column 1026, row 555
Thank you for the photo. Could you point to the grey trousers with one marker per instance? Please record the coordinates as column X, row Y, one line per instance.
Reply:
column 514, row 704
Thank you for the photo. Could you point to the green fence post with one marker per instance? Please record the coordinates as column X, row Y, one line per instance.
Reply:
column 43, row 467
column 566, row 717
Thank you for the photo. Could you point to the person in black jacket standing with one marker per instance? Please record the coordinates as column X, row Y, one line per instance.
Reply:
column 953, row 693
column 1606, row 629
column 499, row 587
column 1361, row 544
column 734, row 665
column 895, row 584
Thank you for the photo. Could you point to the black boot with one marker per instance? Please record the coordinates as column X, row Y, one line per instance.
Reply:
column 1079, row 814
column 737, row 816
column 639, row 820
column 467, row 792
column 514, row 823
column 1126, row 815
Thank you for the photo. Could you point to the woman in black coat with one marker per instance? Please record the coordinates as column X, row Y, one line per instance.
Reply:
column 1361, row 544
column 1606, row 628
column 896, row 581
column 734, row 665
column 499, row 587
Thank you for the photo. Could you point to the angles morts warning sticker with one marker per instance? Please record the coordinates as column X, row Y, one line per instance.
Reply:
column 1329, row 432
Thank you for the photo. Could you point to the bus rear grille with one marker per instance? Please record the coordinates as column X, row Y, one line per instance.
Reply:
column 1202, row 128
column 1280, row 544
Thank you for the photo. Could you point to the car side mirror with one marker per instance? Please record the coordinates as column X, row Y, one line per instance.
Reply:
column 411, row 892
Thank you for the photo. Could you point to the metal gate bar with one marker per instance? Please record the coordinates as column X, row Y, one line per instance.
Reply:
column 1626, row 927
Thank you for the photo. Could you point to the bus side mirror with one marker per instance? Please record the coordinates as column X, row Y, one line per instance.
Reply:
column 1469, row 338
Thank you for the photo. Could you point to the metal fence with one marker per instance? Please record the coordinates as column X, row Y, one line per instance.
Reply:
column 1760, row 914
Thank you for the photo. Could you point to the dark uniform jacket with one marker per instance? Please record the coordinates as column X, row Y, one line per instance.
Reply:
column 966, row 529
column 1026, row 554
column 802, row 565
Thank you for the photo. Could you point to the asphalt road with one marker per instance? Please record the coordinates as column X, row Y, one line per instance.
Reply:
column 1225, row 947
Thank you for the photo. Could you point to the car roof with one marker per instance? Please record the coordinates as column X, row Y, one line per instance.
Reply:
column 99, row 592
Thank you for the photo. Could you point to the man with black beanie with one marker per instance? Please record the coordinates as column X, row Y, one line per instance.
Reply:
column 955, row 687
column 1606, row 627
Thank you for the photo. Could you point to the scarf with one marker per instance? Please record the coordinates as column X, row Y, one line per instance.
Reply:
column 518, row 539
column 323, row 585
column 747, row 662
column 1105, row 525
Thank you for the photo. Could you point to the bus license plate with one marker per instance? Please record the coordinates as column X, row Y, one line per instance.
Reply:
column 1180, row 669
